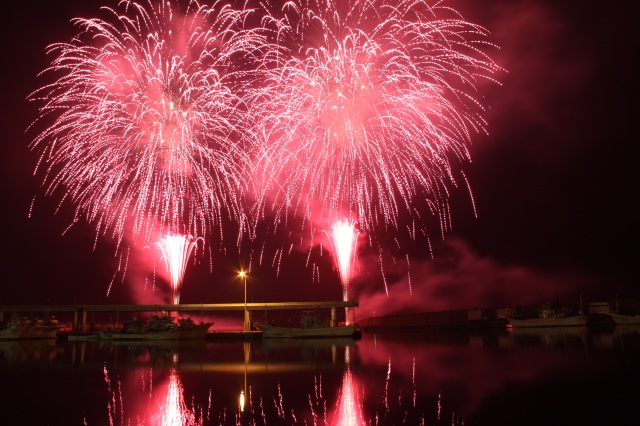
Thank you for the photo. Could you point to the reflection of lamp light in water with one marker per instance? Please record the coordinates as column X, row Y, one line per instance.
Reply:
column 247, row 346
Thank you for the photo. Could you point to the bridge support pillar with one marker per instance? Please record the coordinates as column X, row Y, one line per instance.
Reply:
column 247, row 320
column 84, row 321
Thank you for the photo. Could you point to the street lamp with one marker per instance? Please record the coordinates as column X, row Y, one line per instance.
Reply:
column 243, row 275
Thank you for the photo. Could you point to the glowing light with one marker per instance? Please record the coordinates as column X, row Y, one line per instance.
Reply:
column 147, row 117
column 176, row 250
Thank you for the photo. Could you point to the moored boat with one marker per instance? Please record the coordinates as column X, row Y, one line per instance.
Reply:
column 549, row 317
column 14, row 330
column 309, row 327
column 158, row 328
column 30, row 328
column 43, row 329
column 560, row 321
column 80, row 336
column 620, row 319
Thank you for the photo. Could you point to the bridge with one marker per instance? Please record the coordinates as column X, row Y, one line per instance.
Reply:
column 83, row 309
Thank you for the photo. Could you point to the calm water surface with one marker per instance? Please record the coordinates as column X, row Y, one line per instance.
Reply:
column 536, row 377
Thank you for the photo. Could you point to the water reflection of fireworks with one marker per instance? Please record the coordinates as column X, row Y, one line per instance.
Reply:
column 164, row 403
column 352, row 402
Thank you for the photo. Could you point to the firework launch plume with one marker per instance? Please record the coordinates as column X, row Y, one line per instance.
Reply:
column 176, row 250
column 147, row 118
column 368, row 106
column 344, row 241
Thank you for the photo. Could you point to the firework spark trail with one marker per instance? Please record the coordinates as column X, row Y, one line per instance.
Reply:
column 148, row 118
column 176, row 250
column 369, row 106
column 111, row 405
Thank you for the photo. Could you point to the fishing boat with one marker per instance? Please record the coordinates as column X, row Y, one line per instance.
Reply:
column 81, row 336
column 30, row 328
column 621, row 319
column 549, row 317
column 557, row 321
column 158, row 328
column 13, row 330
column 309, row 327
column 42, row 329
column 618, row 312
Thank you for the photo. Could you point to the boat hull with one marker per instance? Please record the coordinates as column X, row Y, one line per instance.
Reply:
column 13, row 332
column 271, row 331
column 624, row 319
column 571, row 321
column 195, row 332
column 82, row 337
column 23, row 329
column 49, row 331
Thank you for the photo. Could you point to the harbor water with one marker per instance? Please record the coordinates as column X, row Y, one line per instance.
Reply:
column 554, row 376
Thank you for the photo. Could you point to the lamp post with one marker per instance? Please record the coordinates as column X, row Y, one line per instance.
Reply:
column 243, row 275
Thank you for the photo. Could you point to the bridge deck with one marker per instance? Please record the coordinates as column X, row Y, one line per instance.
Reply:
column 199, row 307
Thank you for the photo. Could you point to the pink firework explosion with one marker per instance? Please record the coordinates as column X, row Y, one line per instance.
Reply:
column 369, row 106
column 147, row 118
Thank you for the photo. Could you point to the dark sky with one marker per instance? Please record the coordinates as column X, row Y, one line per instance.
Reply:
column 552, row 182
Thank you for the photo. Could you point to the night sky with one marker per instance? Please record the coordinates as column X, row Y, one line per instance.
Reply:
column 552, row 183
